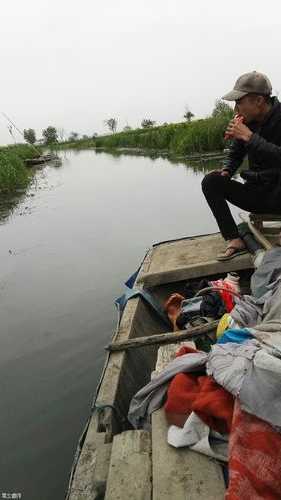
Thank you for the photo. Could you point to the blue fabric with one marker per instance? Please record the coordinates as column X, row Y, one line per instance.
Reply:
column 132, row 292
column 237, row 335
column 123, row 299
column 132, row 279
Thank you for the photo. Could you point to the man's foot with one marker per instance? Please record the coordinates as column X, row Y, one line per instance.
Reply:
column 234, row 248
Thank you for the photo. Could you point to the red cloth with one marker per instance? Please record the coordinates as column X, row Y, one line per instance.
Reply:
column 189, row 392
column 254, row 446
column 226, row 296
column 254, row 459
column 201, row 394
column 185, row 349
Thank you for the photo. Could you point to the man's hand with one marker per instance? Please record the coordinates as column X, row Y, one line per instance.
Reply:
column 238, row 130
column 223, row 172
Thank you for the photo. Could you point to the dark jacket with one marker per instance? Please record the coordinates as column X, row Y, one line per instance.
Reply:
column 263, row 150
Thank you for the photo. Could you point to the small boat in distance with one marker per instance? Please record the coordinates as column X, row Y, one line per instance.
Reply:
column 30, row 162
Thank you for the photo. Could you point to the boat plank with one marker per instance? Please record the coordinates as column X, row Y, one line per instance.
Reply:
column 168, row 352
column 130, row 467
column 101, row 469
column 179, row 472
column 84, row 485
column 190, row 258
column 190, row 251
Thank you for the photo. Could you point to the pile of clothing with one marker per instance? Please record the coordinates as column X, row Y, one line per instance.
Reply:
column 227, row 403
column 196, row 303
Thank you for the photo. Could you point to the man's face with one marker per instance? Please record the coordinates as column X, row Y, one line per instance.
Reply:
column 248, row 107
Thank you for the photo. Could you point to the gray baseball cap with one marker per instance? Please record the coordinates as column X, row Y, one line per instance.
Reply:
column 249, row 83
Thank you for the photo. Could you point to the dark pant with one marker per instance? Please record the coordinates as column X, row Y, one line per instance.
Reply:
column 219, row 189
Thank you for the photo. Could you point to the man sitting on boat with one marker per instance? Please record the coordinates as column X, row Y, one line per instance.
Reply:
column 256, row 132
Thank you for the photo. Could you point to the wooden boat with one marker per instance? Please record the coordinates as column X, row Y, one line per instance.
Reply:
column 30, row 162
column 113, row 461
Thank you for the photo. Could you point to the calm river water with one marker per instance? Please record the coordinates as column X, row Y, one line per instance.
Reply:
column 66, row 248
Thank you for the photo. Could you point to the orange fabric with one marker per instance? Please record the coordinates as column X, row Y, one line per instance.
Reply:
column 254, row 459
column 173, row 307
column 214, row 405
column 179, row 417
column 201, row 394
column 189, row 392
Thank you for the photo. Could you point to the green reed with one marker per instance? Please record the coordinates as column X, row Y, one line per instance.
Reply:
column 13, row 172
column 197, row 136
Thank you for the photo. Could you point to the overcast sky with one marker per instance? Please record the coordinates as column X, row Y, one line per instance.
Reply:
column 74, row 64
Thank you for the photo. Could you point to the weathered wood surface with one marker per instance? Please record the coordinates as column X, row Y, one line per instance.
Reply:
column 90, row 478
column 166, row 353
column 190, row 258
column 265, row 217
column 180, row 473
column 101, row 469
column 163, row 338
column 129, row 474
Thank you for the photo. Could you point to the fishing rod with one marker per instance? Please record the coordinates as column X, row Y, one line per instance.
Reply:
column 20, row 132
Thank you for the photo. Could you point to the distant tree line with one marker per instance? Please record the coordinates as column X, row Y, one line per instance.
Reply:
column 53, row 135
column 221, row 108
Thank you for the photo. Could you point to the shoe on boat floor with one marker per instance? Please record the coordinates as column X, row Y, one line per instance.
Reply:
column 235, row 252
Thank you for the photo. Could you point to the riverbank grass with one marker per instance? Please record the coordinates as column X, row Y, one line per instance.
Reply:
column 13, row 172
column 179, row 139
column 175, row 139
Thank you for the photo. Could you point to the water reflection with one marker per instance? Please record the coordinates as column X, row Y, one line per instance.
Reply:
column 8, row 203
column 197, row 163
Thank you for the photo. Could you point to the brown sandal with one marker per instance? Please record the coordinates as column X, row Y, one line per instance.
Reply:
column 236, row 252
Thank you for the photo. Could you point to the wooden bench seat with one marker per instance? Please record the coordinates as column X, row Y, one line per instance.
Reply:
column 259, row 219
